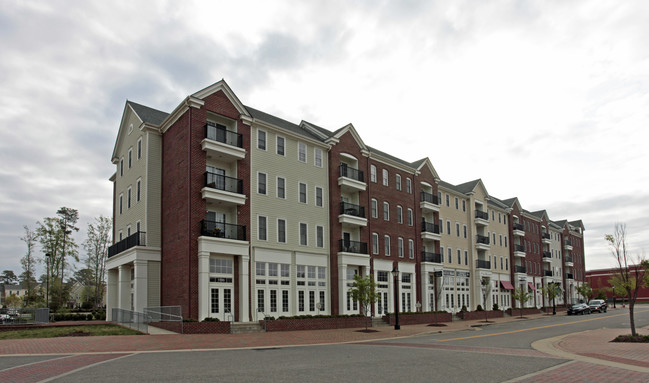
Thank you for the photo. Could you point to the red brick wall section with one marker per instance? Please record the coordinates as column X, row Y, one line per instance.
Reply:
column 316, row 323
column 528, row 311
column 348, row 145
column 195, row 327
column 418, row 318
column 175, row 216
column 182, row 205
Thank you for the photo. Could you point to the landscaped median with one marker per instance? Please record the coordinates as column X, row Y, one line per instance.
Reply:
column 307, row 322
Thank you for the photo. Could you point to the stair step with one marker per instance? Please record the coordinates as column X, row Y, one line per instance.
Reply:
column 246, row 327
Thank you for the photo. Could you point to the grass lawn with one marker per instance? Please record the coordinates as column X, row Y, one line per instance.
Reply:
column 52, row 332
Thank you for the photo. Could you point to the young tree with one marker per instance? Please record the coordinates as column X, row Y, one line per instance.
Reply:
column 486, row 293
column 631, row 271
column 96, row 246
column 364, row 292
column 13, row 301
column 522, row 295
column 28, row 277
column 68, row 217
column 585, row 291
column 551, row 292
column 8, row 277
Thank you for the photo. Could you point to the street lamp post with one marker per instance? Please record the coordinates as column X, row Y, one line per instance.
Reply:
column 395, row 274
column 47, row 288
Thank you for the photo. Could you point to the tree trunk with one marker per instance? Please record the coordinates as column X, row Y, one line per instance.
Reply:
column 631, row 318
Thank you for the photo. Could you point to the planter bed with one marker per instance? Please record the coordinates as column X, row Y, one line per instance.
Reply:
column 473, row 315
column 195, row 327
column 418, row 318
column 527, row 311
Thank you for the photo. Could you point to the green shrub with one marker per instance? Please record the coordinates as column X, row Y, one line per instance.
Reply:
column 495, row 307
column 479, row 308
column 209, row 319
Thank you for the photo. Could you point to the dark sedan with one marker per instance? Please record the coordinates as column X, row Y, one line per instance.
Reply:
column 579, row 309
column 598, row 305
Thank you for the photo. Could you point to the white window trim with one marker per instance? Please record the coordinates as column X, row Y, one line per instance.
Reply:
column 387, row 245
column 386, row 177
column 277, row 146
column 374, row 212
column 315, row 196
column 373, row 175
column 306, row 231
column 265, row 139
column 316, row 237
column 306, row 192
column 138, row 187
column 315, row 157
column 306, row 154
column 259, row 231
column 257, row 188
column 285, row 230
column 139, row 148
column 386, row 217
column 375, row 250
column 277, row 178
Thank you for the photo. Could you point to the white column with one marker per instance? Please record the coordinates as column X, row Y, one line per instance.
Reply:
column 124, row 297
column 244, row 293
column 203, row 284
column 342, row 288
column 112, row 293
column 140, row 285
column 425, row 293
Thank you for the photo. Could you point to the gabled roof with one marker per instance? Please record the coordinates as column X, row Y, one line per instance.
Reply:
column 561, row 223
column 577, row 223
column 148, row 115
column 496, row 202
column 541, row 214
column 389, row 156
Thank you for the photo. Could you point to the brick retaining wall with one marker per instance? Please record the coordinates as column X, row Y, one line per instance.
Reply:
column 316, row 323
column 195, row 327
column 419, row 318
column 473, row 315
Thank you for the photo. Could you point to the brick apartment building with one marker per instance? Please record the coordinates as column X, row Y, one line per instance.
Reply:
column 232, row 213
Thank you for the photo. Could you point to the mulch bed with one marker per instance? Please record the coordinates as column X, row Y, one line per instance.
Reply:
column 632, row 339
column 437, row 325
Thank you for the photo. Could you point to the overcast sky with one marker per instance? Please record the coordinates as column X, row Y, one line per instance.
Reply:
column 547, row 101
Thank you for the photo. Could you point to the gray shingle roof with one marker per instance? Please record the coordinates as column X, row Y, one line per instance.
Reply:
column 291, row 127
column 467, row 186
column 148, row 115
column 386, row 155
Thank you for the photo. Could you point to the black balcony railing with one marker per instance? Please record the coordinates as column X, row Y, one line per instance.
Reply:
column 518, row 226
column 137, row 239
column 431, row 257
column 221, row 134
column 519, row 248
column 225, row 183
column 546, row 235
column 520, row 269
column 547, row 254
column 569, row 276
column 482, row 215
column 356, row 247
column 568, row 259
column 568, row 243
column 483, row 264
column 427, row 197
column 427, row 227
column 351, row 209
column 355, row 174
column 547, row 273
column 223, row 230
column 483, row 239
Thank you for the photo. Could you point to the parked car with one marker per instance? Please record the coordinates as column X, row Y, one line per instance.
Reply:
column 598, row 305
column 579, row 309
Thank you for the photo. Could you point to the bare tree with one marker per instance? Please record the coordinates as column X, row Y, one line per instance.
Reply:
column 96, row 246
column 630, row 270
column 28, row 277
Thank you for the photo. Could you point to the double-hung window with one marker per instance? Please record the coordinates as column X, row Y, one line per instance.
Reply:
column 261, row 140
column 301, row 152
column 302, row 192
column 261, row 183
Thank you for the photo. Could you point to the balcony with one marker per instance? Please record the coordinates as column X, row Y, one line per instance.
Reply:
column 351, row 214
column 223, row 190
column 482, row 242
column 519, row 251
column 519, row 230
column 223, row 144
column 547, row 256
column 520, row 269
column 547, row 273
column 223, row 230
column 568, row 261
column 351, row 179
column 223, row 238
column 429, row 202
column 483, row 264
column 569, row 276
column 546, row 238
column 430, row 231
column 136, row 239
column 431, row 257
column 567, row 245
column 481, row 218
column 353, row 247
